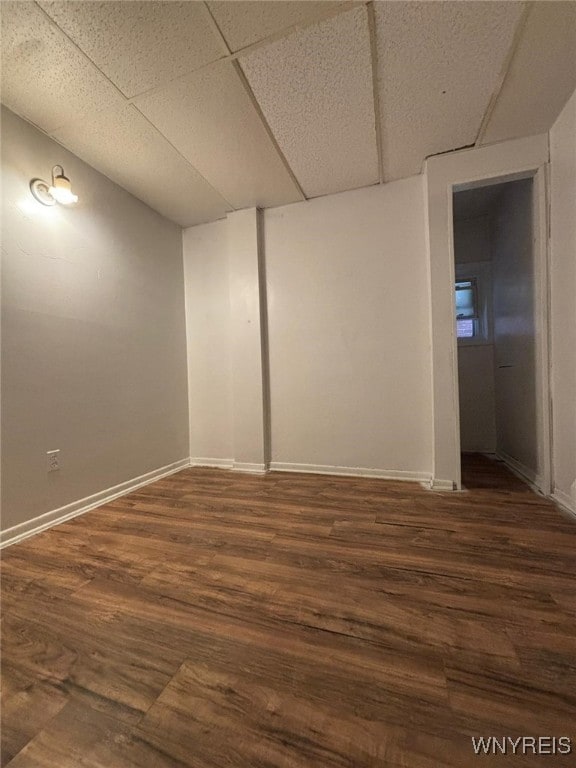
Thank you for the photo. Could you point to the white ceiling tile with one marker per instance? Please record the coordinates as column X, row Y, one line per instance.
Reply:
column 122, row 145
column 211, row 119
column 438, row 65
column 44, row 77
column 542, row 75
column 315, row 89
column 245, row 22
column 139, row 45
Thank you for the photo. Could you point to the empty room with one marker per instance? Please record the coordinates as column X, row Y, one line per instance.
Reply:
column 288, row 384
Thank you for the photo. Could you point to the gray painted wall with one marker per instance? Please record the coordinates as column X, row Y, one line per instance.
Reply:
column 93, row 333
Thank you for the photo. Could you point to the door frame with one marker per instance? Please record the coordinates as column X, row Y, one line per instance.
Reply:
column 508, row 161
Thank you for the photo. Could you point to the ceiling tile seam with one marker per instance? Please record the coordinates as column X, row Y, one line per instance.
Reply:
column 81, row 51
column 516, row 39
column 216, row 29
column 344, row 7
column 172, row 80
column 287, row 31
column 375, row 89
column 248, row 88
column 231, row 57
column 183, row 157
column 128, row 99
column 129, row 103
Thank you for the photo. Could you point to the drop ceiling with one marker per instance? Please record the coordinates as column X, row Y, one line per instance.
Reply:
column 200, row 108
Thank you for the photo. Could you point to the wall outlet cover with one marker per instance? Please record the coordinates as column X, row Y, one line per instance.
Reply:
column 53, row 460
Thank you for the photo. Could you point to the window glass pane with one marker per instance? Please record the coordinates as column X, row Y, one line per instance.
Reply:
column 464, row 329
column 465, row 299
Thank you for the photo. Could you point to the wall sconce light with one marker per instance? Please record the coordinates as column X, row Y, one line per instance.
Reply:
column 59, row 192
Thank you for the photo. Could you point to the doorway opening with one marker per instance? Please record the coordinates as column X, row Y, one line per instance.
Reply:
column 498, row 303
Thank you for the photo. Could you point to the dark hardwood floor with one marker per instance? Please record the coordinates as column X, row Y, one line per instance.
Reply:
column 298, row 621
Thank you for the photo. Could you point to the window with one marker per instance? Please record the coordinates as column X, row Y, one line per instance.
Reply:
column 466, row 308
column 465, row 329
column 473, row 303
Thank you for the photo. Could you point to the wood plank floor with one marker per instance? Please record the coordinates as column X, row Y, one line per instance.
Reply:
column 220, row 619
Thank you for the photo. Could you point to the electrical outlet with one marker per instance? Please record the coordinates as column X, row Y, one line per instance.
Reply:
column 53, row 460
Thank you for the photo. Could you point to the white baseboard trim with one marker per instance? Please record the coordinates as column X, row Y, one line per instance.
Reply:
column 213, row 463
column 323, row 469
column 242, row 466
column 237, row 466
column 521, row 471
column 74, row 509
column 564, row 501
column 441, row 485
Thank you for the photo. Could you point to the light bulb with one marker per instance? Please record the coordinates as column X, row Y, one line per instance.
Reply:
column 63, row 195
column 61, row 189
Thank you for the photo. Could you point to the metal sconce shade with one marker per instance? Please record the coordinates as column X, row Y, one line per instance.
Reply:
column 60, row 191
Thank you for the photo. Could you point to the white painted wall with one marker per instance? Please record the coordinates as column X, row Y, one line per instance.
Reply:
column 348, row 333
column 206, row 271
column 247, row 313
column 514, row 309
column 563, row 304
column 477, row 404
column 225, row 318
column 93, row 333
column 348, row 313
column 472, row 240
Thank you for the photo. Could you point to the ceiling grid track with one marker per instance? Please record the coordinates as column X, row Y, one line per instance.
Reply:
column 504, row 73
column 375, row 89
column 280, row 104
column 80, row 51
column 231, row 56
column 217, row 32
column 345, row 6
